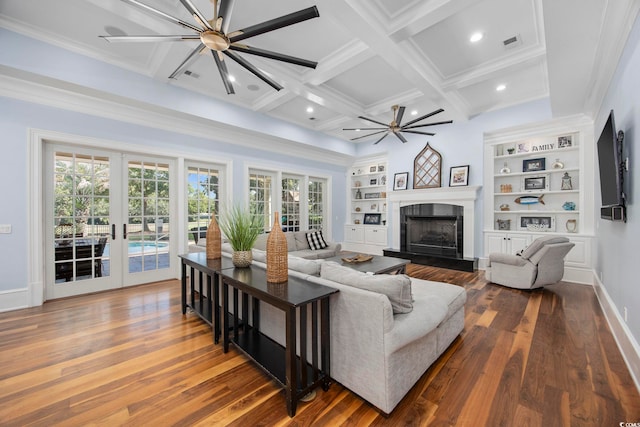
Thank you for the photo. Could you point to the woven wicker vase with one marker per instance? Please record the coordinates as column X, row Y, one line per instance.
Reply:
column 242, row 258
column 214, row 240
column 277, row 254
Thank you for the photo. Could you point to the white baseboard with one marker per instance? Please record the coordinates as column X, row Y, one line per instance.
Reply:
column 14, row 299
column 626, row 342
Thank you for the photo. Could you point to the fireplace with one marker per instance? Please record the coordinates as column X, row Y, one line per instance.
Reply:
column 440, row 224
column 432, row 229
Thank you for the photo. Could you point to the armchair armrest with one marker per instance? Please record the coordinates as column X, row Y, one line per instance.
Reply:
column 508, row 259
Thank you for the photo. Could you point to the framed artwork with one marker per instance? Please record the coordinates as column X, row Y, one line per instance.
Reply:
column 524, row 147
column 537, row 222
column 564, row 141
column 535, row 183
column 371, row 195
column 373, row 181
column 372, row 169
column 533, row 165
column 459, row 176
column 380, row 168
column 400, row 181
column 372, row 218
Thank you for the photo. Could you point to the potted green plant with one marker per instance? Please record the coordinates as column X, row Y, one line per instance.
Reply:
column 241, row 228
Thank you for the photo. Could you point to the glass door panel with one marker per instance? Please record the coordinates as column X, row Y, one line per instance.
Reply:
column 148, row 228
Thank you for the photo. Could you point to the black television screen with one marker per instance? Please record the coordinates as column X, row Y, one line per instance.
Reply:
column 609, row 165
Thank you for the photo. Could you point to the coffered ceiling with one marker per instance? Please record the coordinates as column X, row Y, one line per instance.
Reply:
column 372, row 54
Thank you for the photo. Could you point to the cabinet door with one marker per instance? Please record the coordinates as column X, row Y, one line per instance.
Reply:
column 354, row 233
column 495, row 243
column 517, row 242
column 375, row 235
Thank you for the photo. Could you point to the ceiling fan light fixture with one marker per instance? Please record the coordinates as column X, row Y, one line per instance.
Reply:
column 215, row 40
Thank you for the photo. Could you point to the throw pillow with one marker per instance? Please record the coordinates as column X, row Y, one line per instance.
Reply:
column 316, row 241
column 397, row 287
column 306, row 266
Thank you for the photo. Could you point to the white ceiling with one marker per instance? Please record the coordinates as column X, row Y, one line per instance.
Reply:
column 372, row 54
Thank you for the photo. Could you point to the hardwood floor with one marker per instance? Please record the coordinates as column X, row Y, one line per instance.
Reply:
column 129, row 357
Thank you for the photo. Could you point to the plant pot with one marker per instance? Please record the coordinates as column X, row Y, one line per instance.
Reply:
column 242, row 258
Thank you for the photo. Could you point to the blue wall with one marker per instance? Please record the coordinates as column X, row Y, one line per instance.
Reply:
column 17, row 117
column 618, row 244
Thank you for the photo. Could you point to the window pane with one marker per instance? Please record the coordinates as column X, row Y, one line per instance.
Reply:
column 317, row 188
column 203, row 189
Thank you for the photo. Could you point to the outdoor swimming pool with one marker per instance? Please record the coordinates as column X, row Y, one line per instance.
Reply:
column 137, row 248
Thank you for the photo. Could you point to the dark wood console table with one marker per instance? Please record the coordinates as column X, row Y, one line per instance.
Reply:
column 296, row 374
column 206, row 306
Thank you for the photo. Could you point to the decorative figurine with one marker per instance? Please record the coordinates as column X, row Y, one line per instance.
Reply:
column 557, row 164
column 569, row 206
column 505, row 169
column 358, row 194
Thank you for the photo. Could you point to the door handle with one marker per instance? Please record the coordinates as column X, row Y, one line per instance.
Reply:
column 113, row 232
column 124, row 231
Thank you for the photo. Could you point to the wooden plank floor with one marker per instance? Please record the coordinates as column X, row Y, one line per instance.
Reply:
column 129, row 357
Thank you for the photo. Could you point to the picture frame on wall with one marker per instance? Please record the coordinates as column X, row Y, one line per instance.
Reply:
column 373, row 181
column 533, row 165
column 459, row 176
column 372, row 218
column 400, row 181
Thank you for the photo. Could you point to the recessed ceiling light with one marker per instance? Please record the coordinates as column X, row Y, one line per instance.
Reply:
column 476, row 37
column 231, row 78
column 309, row 109
column 414, row 112
column 357, row 130
column 500, row 88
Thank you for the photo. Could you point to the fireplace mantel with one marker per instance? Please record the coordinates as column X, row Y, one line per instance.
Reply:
column 459, row 196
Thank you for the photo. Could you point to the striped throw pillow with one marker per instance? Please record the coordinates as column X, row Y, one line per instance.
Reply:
column 316, row 241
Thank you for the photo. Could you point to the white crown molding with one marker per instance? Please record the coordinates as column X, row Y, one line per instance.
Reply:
column 55, row 93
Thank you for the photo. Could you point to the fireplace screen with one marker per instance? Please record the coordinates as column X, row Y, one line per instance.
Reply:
column 432, row 235
column 432, row 229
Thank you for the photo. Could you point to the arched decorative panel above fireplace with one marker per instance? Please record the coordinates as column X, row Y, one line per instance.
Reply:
column 427, row 168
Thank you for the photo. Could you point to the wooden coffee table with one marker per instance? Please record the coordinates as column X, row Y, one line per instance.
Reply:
column 377, row 265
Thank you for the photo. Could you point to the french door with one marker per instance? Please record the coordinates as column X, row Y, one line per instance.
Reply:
column 108, row 220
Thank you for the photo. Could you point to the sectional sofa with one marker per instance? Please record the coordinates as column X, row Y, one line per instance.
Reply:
column 382, row 341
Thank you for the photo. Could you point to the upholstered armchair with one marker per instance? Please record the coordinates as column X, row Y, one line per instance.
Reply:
column 541, row 263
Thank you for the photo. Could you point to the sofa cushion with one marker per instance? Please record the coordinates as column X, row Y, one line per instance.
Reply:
column 537, row 244
column 307, row 266
column 261, row 242
column 397, row 287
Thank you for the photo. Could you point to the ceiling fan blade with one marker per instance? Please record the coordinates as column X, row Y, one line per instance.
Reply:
column 383, row 137
column 399, row 116
column 224, row 73
column 366, row 128
column 196, row 14
column 433, row 113
column 369, row 134
column 400, row 137
column 274, row 24
column 253, row 70
column 192, row 57
column 226, row 8
column 446, row 122
column 373, row 121
column 158, row 13
column 274, row 55
column 150, row 38
column 419, row 132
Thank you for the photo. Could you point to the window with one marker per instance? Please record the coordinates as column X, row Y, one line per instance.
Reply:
column 260, row 197
column 316, row 198
column 290, row 215
column 203, row 199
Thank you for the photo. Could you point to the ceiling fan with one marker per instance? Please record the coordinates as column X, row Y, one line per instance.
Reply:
column 396, row 127
column 214, row 35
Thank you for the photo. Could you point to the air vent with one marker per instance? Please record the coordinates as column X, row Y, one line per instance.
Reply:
column 512, row 42
column 192, row 74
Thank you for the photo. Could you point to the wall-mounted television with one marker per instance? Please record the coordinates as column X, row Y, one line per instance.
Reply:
column 611, row 171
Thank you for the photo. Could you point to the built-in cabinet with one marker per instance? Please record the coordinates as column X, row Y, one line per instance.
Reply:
column 366, row 230
column 539, row 181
